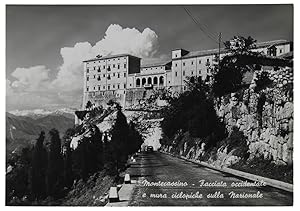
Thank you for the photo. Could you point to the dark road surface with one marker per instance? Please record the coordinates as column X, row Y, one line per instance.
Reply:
column 155, row 167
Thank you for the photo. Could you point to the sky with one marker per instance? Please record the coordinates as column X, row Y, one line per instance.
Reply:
column 45, row 45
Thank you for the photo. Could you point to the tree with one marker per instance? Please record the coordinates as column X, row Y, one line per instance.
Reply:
column 193, row 111
column 67, row 157
column 229, row 76
column 135, row 139
column 39, row 167
column 88, row 105
column 240, row 45
column 55, row 164
column 119, row 139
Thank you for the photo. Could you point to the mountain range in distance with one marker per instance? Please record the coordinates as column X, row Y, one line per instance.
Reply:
column 38, row 113
column 23, row 127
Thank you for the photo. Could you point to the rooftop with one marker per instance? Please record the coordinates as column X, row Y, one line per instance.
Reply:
column 156, row 64
column 110, row 57
column 223, row 50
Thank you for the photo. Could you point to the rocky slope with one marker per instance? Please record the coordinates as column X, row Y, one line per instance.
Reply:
column 262, row 119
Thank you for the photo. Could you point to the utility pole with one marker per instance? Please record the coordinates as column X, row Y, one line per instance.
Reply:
column 220, row 38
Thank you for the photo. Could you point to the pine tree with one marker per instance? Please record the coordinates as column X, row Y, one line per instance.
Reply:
column 119, row 140
column 55, row 164
column 67, row 157
column 39, row 166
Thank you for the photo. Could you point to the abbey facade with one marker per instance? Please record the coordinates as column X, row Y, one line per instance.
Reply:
column 122, row 78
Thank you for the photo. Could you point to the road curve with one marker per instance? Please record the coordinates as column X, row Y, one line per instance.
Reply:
column 153, row 170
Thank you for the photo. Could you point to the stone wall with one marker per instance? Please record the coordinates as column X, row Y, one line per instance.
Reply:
column 265, row 117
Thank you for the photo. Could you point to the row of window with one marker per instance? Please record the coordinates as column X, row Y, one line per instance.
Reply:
column 192, row 62
column 148, row 81
column 109, row 87
column 108, row 60
column 118, row 66
column 192, row 72
column 153, row 68
column 109, row 76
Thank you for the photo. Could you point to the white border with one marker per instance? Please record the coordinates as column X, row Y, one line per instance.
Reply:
column 69, row 2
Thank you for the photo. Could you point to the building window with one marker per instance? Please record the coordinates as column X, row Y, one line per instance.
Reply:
column 192, row 62
column 184, row 88
column 149, row 80
column 113, row 74
column 87, row 78
column 114, row 65
column 175, row 64
column 87, row 88
column 207, row 60
column 124, row 85
column 130, row 85
column 94, row 88
column 98, row 88
column 175, row 74
column 113, row 86
column 183, row 63
column 103, row 75
column 118, row 66
column 124, row 74
column 94, row 76
column 98, row 78
column 192, row 72
column 118, row 75
column 183, row 73
column 118, row 86
column 155, row 80
column 169, row 82
column 94, row 68
column 161, row 80
column 98, row 69
column 199, row 61
column 138, row 82
column 103, row 67
column 125, row 65
column 87, row 70
column 280, row 51
column 143, row 81
column 103, row 87
column 108, row 77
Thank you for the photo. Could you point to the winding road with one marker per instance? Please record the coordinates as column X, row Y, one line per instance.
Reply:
column 164, row 180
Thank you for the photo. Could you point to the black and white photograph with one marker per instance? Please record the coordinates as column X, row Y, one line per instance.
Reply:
column 131, row 105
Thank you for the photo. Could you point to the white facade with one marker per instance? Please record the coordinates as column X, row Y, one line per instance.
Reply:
column 118, row 73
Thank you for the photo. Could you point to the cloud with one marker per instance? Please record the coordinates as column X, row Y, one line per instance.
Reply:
column 117, row 40
column 31, row 79
column 66, row 87
column 70, row 74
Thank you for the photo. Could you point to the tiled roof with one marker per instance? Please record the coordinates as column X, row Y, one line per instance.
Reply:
column 192, row 54
column 109, row 57
column 162, row 63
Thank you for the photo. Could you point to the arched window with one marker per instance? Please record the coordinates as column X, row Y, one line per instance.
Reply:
column 143, row 81
column 161, row 80
column 155, row 80
column 138, row 82
column 149, row 80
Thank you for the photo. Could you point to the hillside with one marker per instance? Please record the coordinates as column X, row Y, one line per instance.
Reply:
column 21, row 130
